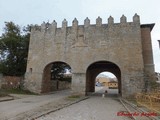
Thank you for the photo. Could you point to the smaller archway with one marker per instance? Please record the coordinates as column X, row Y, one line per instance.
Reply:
column 101, row 66
column 106, row 82
column 56, row 76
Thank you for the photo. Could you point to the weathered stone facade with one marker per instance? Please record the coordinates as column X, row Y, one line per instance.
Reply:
column 8, row 82
column 121, row 48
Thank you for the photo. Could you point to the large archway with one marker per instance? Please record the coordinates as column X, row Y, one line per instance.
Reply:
column 56, row 76
column 95, row 68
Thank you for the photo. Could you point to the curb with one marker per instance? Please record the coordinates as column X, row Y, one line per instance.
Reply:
column 59, row 108
column 3, row 99
column 141, row 109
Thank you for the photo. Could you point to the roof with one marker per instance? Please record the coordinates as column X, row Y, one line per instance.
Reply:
column 113, row 82
column 148, row 26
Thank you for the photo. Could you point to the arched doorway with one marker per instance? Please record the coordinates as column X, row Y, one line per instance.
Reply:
column 56, row 76
column 95, row 68
column 106, row 82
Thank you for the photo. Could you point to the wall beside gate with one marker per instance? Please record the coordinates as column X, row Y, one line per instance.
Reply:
column 81, row 45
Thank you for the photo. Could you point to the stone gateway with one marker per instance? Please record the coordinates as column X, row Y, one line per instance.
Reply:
column 123, row 49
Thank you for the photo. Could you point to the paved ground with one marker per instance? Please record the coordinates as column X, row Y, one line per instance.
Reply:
column 94, row 108
column 10, row 109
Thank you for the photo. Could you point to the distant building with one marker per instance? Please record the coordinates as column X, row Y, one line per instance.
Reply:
column 67, row 74
column 106, row 81
column 103, row 81
column 113, row 85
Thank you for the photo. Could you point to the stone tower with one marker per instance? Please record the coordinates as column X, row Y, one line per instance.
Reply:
column 123, row 49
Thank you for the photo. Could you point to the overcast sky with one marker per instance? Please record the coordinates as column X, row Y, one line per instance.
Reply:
column 23, row 12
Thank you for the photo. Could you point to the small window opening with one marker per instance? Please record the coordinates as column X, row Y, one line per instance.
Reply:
column 30, row 70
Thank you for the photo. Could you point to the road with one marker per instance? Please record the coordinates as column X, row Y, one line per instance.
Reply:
column 11, row 109
column 94, row 108
column 97, row 107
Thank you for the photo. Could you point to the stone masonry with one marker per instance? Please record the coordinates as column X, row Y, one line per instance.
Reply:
column 121, row 48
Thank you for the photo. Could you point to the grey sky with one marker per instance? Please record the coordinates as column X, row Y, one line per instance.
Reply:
column 23, row 12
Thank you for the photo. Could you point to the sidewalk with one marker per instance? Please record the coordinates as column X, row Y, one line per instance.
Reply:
column 7, row 98
column 14, row 96
column 10, row 109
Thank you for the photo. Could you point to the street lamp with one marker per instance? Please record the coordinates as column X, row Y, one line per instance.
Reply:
column 159, row 43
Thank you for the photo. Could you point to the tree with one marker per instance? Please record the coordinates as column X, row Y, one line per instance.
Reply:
column 14, row 49
column 58, row 69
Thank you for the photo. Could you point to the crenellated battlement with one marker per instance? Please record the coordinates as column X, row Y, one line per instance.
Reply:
column 120, row 48
column 123, row 20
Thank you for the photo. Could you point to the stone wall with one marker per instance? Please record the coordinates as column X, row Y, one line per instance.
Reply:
column 81, row 45
column 1, row 76
column 8, row 82
column 54, row 85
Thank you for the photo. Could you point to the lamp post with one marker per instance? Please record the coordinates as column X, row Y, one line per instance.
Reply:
column 159, row 43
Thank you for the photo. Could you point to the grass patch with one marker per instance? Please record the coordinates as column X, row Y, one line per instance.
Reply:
column 132, row 101
column 15, row 91
column 73, row 97
column 3, row 94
